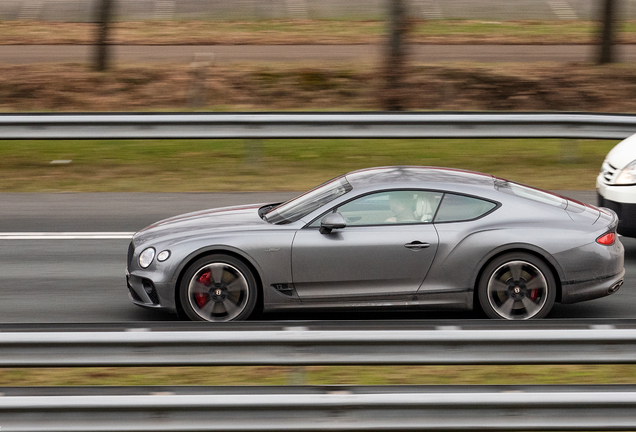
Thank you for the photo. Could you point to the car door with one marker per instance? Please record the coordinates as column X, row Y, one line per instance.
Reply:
column 382, row 251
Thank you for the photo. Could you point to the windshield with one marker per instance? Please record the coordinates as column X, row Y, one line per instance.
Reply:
column 301, row 206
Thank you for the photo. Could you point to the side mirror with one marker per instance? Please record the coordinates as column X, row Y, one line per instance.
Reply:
column 331, row 222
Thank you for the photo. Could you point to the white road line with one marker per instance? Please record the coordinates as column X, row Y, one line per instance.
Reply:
column 297, row 9
column 562, row 9
column 430, row 9
column 31, row 9
column 65, row 235
column 164, row 9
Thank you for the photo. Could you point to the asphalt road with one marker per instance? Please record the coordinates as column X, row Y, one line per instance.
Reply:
column 70, row 281
column 84, row 10
column 223, row 54
column 64, row 281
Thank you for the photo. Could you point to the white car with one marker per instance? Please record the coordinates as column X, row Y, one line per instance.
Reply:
column 616, row 185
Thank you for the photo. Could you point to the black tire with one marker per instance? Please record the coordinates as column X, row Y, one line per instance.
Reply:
column 517, row 286
column 218, row 288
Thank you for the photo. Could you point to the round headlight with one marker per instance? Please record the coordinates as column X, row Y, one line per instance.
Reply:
column 146, row 257
column 163, row 255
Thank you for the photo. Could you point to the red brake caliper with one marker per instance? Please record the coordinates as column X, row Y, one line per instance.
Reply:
column 534, row 294
column 202, row 298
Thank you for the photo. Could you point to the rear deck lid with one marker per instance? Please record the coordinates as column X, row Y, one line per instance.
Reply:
column 582, row 212
column 576, row 210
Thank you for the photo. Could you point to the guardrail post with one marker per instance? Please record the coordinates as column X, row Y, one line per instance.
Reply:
column 297, row 376
column 569, row 151
column 253, row 152
column 198, row 79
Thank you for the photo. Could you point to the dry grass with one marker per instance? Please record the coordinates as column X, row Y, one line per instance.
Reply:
column 253, row 86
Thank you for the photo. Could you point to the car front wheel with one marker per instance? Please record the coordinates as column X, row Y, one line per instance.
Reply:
column 517, row 286
column 218, row 288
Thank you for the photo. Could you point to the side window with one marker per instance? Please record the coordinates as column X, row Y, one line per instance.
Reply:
column 391, row 207
column 456, row 208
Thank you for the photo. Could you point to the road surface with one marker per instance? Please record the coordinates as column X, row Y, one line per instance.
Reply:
column 70, row 281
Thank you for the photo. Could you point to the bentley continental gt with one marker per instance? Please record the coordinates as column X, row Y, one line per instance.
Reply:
column 390, row 237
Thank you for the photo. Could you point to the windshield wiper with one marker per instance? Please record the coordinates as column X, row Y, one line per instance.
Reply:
column 262, row 212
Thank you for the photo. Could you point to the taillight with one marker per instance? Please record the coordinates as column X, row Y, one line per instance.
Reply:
column 607, row 239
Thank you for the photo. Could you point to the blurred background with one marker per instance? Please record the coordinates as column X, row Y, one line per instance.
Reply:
column 307, row 55
column 310, row 54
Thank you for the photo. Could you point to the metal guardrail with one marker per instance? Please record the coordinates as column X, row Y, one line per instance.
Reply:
column 333, row 409
column 316, row 125
column 298, row 346
column 328, row 408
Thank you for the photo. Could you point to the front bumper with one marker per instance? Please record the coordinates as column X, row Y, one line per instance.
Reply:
column 588, row 290
column 141, row 291
column 146, row 293
column 148, row 288
column 626, row 215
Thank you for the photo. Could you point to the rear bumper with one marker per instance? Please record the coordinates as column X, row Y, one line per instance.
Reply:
column 588, row 290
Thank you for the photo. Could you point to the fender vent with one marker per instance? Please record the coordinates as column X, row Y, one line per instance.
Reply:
column 285, row 289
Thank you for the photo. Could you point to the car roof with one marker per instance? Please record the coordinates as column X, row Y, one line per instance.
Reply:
column 384, row 176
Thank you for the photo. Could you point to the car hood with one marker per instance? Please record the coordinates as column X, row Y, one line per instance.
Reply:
column 203, row 222
column 623, row 153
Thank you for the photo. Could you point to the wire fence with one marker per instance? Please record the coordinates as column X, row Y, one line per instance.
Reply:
column 134, row 10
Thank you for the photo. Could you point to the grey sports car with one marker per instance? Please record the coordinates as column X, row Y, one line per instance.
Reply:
column 390, row 237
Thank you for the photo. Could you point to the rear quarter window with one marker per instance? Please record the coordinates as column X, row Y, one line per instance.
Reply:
column 530, row 193
column 457, row 208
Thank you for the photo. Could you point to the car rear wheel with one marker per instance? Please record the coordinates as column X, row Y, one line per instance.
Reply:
column 218, row 288
column 517, row 286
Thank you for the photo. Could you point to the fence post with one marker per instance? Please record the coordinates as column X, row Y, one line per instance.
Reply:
column 395, row 62
column 103, row 21
column 607, row 34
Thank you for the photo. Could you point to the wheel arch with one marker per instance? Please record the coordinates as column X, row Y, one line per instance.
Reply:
column 186, row 263
column 553, row 265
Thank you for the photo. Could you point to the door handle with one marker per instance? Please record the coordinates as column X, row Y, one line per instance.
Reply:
column 417, row 245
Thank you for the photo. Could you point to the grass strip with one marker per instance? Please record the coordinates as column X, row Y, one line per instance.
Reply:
column 290, row 165
column 319, row 375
